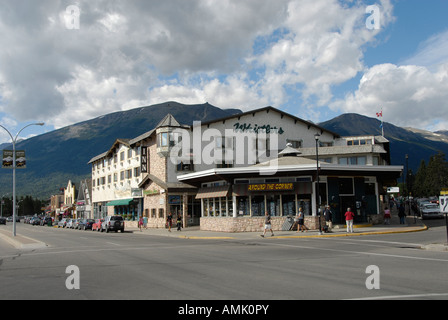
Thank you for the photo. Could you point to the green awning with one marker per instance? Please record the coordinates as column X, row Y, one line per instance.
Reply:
column 122, row 202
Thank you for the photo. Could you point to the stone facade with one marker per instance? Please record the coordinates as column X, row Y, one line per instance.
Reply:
column 250, row 224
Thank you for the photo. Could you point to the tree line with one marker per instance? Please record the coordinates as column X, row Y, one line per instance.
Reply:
column 430, row 178
column 26, row 206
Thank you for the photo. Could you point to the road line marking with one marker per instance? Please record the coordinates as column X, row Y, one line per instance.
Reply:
column 403, row 296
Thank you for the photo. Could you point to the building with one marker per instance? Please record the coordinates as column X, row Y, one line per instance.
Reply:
column 84, row 200
column 224, row 174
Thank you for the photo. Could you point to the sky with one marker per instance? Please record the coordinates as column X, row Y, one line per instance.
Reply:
column 67, row 61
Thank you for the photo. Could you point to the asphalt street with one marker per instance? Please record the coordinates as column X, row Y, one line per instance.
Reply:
column 137, row 265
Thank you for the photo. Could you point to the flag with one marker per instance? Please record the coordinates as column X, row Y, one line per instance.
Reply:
column 379, row 114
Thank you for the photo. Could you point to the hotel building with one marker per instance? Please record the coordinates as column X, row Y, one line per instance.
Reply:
column 224, row 174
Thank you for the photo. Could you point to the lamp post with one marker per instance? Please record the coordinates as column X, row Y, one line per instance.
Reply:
column 316, row 136
column 14, row 140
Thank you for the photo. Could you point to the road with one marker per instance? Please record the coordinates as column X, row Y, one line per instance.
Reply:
column 132, row 266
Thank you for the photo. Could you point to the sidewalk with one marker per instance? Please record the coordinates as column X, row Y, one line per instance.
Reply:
column 20, row 241
column 338, row 231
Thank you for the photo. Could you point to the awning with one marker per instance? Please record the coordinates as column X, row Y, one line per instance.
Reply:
column 122, row 202
column 213, row 192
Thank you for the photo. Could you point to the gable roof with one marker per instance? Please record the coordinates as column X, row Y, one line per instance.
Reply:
column 282, row 113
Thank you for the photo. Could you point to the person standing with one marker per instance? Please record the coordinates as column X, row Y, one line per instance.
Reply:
column 401, row 213
column 145, row 222
column 140, row 223
column 179, row 222
column 386, row 216
column 349, row 216
column 328, row 217
column 267, row 224
column 169, row 221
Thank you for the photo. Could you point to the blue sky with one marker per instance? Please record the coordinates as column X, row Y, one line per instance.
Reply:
column 315, row 59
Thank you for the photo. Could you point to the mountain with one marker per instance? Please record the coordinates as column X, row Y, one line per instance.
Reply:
column 417, row 144
column 61, row 155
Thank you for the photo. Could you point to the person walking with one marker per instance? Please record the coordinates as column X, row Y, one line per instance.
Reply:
column 267, row 224
column 169, row 221
column 301, row 226
column 328, row 215
column 179, row 222
column 145, row 222
column 349, row 216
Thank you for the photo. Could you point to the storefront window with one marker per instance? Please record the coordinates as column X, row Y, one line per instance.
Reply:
column 273, row 202
column 257, row 206
column 289, row 205
column 242, row 205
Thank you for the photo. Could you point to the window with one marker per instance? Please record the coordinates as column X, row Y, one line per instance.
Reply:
column 161, row 213
column 163, row 139
column 128, row 174
column 136, row 172
column 129, row 153
column 294, row 143
column 122, row 156
column 121, row 175
column 360, row 161
column 185, row 167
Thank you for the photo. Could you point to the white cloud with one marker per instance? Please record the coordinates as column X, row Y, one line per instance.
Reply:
column 411, row 96
column 129, row 54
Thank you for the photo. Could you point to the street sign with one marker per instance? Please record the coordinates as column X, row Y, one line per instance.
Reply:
column 443, row 204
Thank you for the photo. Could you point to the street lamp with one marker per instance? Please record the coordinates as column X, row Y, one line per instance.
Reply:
column 14, row 140
column 316, row 136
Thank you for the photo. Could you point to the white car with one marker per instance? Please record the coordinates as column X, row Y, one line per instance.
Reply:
column 431, row 210
column 70, row 223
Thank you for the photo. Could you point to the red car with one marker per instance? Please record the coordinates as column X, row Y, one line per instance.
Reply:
column 97, row 225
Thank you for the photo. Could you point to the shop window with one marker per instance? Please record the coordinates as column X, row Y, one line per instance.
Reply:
column 257, row 206
column 289, row 205
column 242, row 206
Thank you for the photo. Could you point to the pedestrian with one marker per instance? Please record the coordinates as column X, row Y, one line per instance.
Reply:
column 401, row 213
column 179, row 222
column 145, row 223
column 328, row 215
column 302, row 226
column 386, row 216
column 349, row 215
column 140, row 223
column 267, row 224
column 169, row 221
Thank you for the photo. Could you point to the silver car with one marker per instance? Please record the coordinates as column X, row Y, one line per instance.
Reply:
column 431, row 210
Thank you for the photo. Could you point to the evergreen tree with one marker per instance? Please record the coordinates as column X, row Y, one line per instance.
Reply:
column 419, row 182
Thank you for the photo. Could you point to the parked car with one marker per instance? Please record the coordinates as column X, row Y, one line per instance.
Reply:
column 2, row 220
column 35, row 221
column 97, row 225
column 70, row 224
column 75, row 224
column 85, row 224
column 47, row 221
column 431, row 210
column 113, row 223
column 62, row 223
